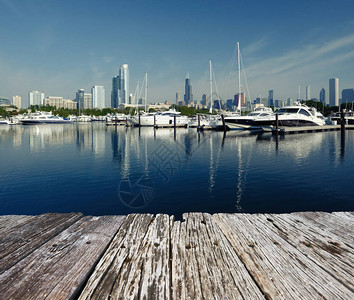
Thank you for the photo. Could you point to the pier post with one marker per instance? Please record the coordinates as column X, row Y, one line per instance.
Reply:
column 342, row 121
column 154, row 121
column 139, row 121
column 223, row 122
column 174, row 122
column 198, row 127
column 277, row 122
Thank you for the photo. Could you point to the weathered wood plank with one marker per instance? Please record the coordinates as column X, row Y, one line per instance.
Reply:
column 339, row 223
column 204, row 264
column 327, row 250
column 136, row 265
column 280, row 270
column 9, row 221
column 59, row 268
column 30, row 233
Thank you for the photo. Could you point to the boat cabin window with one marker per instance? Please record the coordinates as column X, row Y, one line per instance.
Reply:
column 287, row 111
column 304, row 112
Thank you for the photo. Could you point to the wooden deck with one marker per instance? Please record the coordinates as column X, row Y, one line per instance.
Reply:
column 222, row 256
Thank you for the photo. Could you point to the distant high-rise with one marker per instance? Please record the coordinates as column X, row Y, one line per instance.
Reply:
column 308, row 92
column 347, row 95
column 16, row 101
column 204, row 100
column 114, row 94
column 35, row 98
column 334, row 92
column 188, row 96
column 120, row 87
column 80, row 98
column 178, row 96
column 123, row 91
column 323, row 96
column 98, row 97
column 87, row 101
column 271, row 98
column 242, row 98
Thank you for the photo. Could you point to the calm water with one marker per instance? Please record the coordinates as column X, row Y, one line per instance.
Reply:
column 96, row 170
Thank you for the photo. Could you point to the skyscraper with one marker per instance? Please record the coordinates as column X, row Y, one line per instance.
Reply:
column 323, row 96
column 178, row 96
column 80, row 98
column 16, row 101
column 114, row 94
column 347, row 95
column 120, row 87
column 308, row 92
column 98, row 97
column 36, row 98
column 334, row 92
column 271, row 98
column 87, row 101
column 123, row 91
column 188, row 96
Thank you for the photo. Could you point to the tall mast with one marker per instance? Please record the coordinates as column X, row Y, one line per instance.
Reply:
column 239, row 77
column 211, row 88
column 146, row 90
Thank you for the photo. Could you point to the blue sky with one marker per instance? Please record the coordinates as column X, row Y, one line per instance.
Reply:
column 61, row 46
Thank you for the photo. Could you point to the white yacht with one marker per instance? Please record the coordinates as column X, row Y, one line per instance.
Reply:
column 43, row 117
column 292, row 116
column 160, row 119
column 205, row 121
column 247, row 122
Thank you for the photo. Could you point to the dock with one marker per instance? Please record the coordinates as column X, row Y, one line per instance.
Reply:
column 307, row 129
column 304, row 255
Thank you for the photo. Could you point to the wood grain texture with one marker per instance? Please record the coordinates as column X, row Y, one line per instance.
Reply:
column 136, row 265
column 280, row 269
column 21, row 237
column 59, row 268
column 205, row 265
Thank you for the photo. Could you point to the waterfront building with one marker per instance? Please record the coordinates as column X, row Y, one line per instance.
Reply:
column 347, row 95
column 334, row 92
column 323, row 96
column 188, row 96
column 16, row 101
column 87, row 101
column 204, row 100
column 308, row 92
column 35, row 98
column 59, row 102
column 80, row 98
column 123, row 91
column 289, row 102
column 271, row 98
column 131, row 99
column 261, row 100
column 98, row 97
column 242, row 98
column 114, row 93
column 178, row 96
column 120, row 87
column 278, row 103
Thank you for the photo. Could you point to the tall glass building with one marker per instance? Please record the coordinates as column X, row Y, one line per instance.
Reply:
column 188, row 96
column 120, row 87
column 98, row 97
column 323, row 96
column 36, row 98
column 80, row 98
column 334, row 92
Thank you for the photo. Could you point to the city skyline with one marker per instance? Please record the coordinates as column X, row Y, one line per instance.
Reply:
column 297, row 47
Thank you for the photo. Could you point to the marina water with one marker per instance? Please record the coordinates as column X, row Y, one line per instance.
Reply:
column 99, row 170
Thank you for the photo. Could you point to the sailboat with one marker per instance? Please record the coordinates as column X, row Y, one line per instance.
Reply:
column 236, row 121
